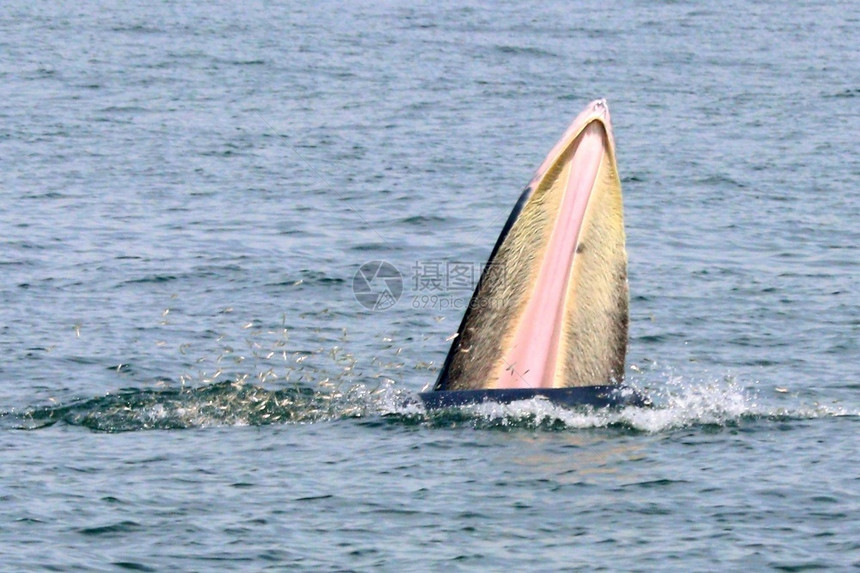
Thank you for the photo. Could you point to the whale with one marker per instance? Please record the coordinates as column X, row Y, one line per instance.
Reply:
column 549, row 316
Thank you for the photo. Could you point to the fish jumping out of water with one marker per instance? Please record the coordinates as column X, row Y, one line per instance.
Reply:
column 551, row 309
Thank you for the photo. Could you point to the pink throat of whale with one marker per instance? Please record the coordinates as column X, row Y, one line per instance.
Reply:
column 531, row 359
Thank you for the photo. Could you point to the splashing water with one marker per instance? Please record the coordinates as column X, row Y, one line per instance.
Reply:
column 254, row 374
column 677, row 404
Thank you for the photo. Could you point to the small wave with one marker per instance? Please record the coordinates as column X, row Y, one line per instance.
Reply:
column 156, row 278
column 846, row 93
column 525, row 51
column 677, row 404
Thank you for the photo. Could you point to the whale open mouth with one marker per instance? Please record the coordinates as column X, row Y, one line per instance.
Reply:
column 551, row 309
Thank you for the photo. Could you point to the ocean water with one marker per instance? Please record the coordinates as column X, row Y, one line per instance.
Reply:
column 189, row 383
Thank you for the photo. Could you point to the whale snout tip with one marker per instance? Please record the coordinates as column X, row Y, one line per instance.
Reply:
column 600, row 107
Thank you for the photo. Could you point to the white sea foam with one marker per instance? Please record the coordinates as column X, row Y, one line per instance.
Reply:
column 677, row 404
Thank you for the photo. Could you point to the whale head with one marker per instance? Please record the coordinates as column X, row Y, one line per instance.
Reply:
column 551, row 308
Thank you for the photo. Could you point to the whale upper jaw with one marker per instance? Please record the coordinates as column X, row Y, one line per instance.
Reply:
column 551, row 308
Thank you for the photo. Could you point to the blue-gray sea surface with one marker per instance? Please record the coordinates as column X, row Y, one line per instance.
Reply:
column 188, row 383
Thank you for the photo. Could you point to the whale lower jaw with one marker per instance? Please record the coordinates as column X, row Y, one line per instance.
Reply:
column 551, row 308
